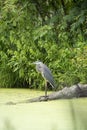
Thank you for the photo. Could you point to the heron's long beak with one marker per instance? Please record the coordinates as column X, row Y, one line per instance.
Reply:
column 34, row 63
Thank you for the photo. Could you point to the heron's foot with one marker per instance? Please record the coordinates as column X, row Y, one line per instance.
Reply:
column 44, row 97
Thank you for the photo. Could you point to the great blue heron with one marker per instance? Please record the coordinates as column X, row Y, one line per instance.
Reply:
column 46, row 74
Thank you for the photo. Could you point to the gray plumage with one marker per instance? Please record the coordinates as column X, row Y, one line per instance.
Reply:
column 45, row 71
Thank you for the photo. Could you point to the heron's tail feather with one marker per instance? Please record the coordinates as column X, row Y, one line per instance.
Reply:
column 52, row 84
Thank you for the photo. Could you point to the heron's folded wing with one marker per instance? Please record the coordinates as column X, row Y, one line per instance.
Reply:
column 48, row 76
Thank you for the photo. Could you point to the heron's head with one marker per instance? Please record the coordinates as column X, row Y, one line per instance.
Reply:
column 38, row 65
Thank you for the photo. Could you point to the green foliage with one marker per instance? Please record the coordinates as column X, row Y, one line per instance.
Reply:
column 53, row 32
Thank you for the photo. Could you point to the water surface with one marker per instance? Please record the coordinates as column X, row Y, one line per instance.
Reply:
column 51, row 115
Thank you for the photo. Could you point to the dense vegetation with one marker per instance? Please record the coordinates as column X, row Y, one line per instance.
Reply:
column 53, row 31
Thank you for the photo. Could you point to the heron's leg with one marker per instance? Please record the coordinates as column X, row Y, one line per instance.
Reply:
column 45, row 88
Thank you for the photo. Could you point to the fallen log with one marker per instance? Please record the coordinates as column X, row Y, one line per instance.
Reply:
column 74, row 91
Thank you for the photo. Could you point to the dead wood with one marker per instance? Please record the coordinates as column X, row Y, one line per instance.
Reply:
column 74, row 91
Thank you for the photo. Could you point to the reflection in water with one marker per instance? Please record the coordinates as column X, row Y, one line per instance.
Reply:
column 8, row 125
column 82, row 116
column 73, row 116
column 79, row 118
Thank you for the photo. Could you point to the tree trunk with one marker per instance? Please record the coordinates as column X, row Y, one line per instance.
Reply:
column 74, row 91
